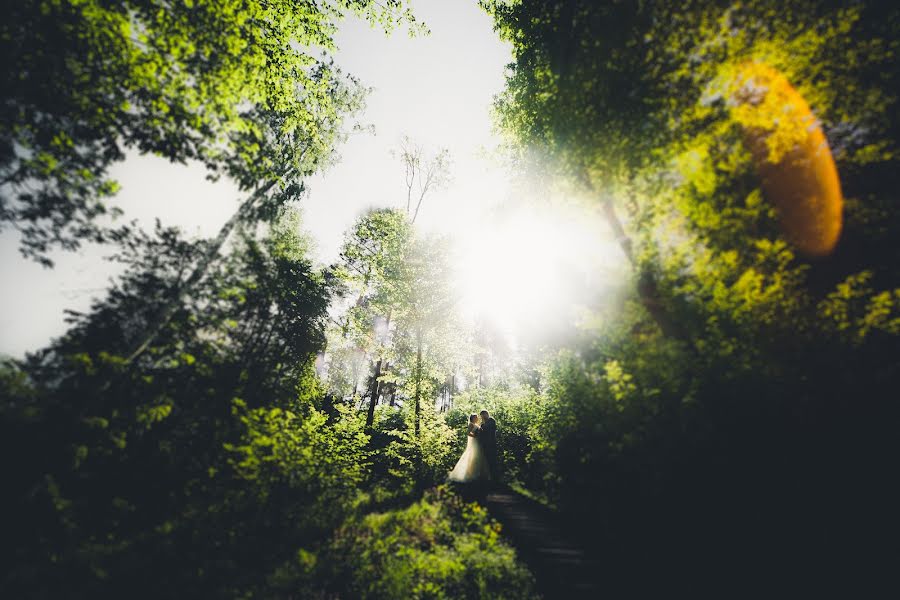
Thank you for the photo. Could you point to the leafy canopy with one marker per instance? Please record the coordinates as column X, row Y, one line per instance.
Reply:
column 246, row 88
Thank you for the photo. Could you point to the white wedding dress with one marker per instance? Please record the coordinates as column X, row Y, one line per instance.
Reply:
column 473, row 464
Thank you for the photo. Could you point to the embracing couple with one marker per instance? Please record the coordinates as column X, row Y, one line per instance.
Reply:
column 478, row 462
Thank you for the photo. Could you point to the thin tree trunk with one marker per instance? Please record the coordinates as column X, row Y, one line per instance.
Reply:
column 452, row 391
column 418, row 407
column 375, row 387
column 373, row 393
column 409, row 186
column 647, row 288
column 418, row 205
column 358, row 358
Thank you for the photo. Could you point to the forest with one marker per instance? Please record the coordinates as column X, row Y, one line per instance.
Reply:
column 232, row 419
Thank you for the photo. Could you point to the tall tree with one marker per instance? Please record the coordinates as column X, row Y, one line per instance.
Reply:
column 657, row 110
column 372, row 263
column 429, row 341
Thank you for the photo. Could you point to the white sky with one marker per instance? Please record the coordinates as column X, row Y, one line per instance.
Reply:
column 437, row 89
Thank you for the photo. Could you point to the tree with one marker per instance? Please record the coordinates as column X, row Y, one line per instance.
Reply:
column 614, row 95
column 429, row 341
column 375, row 262
column 654, row 443
column 372, row 264
column 179, row 462
column 423, row 173
column 247, row 89
column 404, row 313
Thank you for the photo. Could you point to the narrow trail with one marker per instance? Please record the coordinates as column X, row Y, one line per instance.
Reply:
column 561, row 566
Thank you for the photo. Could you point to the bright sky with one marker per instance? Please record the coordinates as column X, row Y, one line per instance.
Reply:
column 436, row 89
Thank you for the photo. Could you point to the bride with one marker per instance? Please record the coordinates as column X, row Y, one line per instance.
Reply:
column 473, row 464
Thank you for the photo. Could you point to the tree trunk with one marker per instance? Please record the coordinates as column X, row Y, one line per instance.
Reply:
column 418, row 407
column 647, row 288
column 373, row 393
column 199, row 271
column 375, row 387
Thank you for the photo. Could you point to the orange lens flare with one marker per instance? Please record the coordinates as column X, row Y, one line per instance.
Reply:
column 792, row 157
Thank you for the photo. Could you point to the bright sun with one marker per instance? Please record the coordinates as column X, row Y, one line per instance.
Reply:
column 530, row 267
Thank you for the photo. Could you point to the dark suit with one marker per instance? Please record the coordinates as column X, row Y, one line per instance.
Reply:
column 488, row 437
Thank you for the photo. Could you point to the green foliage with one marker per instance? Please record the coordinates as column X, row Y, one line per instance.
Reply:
column 214, row 458
column 400, row 330
column 854, row 311
column 439, row 547
column 247, row 88
column 369, row 271
column 323, row 463
column 404, row 463
column 654, row 448
column 208, row 459
column 761, row 427
column 373, row 255
column 632, row 101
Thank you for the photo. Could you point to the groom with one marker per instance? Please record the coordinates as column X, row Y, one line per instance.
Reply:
column 488, row 437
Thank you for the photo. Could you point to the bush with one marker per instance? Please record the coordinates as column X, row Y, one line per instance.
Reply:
column 439, row 547
column 404, row 465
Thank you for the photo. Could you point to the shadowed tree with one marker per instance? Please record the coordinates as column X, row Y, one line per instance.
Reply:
column 777, row 406
column 178, row 463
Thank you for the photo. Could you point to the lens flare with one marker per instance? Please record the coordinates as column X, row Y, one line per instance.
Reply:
column 530, row 272
column 792, row 157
